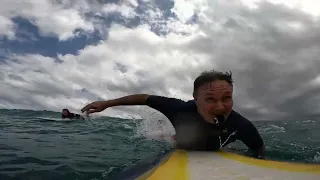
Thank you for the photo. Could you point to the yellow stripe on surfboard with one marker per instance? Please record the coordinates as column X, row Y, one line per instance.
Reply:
column 292, row 167
column 174, row 168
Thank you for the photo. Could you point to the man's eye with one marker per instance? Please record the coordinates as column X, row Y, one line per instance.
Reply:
column 209, row 99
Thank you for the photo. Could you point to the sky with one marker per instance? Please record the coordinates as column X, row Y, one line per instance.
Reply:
column 58, row 54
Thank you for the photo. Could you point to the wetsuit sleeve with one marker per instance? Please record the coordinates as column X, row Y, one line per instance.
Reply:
column 250, row 136
column 167, row 106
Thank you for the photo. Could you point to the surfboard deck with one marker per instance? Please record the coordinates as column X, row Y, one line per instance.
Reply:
column 55, row 119
column 183, row 165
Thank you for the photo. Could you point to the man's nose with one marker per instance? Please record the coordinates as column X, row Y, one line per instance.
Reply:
column 219, row 106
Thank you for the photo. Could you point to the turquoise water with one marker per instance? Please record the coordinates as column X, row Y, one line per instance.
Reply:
column 112, row 148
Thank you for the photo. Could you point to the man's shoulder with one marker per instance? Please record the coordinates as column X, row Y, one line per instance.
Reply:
column 169, row 106
column 238, row 119
column 236, row 114
column 189, row 105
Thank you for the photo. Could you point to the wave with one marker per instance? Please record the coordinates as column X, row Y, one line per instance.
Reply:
column 272, row 128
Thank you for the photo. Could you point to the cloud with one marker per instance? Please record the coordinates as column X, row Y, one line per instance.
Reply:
column 53, row 19
column 125, row 10
column 6, row 28
column 272, row 50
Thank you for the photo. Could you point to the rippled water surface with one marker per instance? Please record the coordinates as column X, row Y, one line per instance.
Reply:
column 104, row 148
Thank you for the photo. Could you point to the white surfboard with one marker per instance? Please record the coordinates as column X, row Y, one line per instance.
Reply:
column 56, row 119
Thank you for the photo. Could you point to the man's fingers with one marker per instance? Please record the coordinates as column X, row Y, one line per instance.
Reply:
column 92, row 111
column 86, row 108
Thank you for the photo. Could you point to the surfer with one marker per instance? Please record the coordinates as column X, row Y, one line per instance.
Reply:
column 207, row 122
column 67, row 114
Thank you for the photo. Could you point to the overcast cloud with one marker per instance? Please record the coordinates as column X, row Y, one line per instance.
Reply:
column 148, row 46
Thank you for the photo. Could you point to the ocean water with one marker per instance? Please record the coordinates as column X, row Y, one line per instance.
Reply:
column 113, row 148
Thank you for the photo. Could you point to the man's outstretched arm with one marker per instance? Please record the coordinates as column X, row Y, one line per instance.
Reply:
column 98, row 106
column 163, row 104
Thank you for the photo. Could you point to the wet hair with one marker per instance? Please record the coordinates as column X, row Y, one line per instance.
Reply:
column 62, row 115
column 66, row 110
column 210, row 76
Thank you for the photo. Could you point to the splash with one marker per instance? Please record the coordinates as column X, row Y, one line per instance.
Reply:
column 156, row 127
column 317, row 157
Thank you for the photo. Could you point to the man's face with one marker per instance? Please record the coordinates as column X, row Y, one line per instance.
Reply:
column 213, row 99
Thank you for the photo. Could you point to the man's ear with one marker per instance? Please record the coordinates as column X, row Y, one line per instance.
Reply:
column 194, row 96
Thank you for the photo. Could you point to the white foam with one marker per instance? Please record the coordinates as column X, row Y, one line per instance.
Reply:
column 274, row 129
column 309, row 121
column 126, row 126
column 317, row 157
column 156, row 127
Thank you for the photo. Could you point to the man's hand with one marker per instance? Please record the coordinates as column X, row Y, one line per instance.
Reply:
column 96, row 106
column 261, row 153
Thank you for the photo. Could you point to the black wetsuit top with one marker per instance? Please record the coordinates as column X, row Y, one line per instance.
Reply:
column 194, row 133
column 73, row 116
